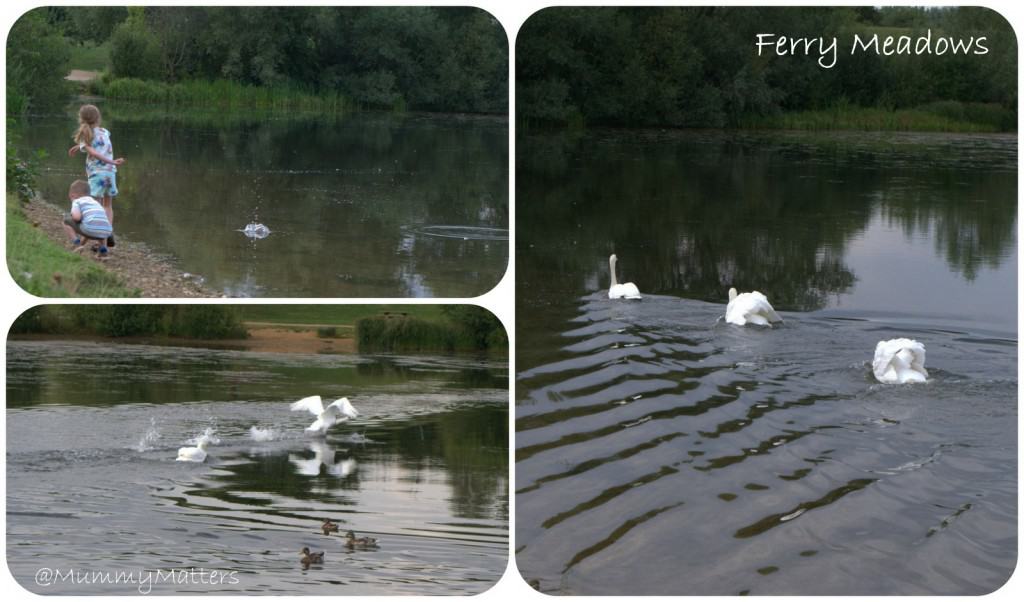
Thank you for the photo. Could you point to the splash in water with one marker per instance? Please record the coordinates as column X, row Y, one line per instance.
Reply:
column 255, row 230
column 260, row 434
column 149, row 437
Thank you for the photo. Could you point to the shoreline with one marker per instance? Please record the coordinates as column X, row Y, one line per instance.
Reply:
column 140, row 268
column 263, row 338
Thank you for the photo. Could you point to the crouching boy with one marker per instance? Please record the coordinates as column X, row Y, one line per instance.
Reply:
column 87, row 219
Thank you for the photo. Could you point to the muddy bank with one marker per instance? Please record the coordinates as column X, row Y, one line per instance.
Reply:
column 154, row 275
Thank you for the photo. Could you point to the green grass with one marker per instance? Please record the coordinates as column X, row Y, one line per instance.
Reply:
column 89, row 56
column 45, row 269
column 221, row 94
column 331, row 315
column 949, row 116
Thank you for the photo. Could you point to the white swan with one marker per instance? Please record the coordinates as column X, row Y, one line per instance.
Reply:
column 339, row 411
column 899, row 361
column 750, row 307
column 626, row 290
column 322, row 455
column 197, row 453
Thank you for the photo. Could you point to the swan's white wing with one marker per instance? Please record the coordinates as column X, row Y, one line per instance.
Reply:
column 191, row 454
column 764, row 308
column 313, row 405
column 751, row 307
column 319, row 427
column 885, row 352
column 626, row 290
column 344, row 408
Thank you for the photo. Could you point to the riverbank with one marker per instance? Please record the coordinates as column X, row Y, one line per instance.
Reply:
column 131, row 270
column 263, row 338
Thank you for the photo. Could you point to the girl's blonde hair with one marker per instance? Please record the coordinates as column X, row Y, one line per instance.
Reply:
column 88, row 119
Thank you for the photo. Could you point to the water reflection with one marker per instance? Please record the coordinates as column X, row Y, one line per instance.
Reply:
column 345, row 197
column 424, row 468
column 690, row 214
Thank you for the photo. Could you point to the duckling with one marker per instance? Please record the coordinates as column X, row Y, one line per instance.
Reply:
column 354, row 542
column 307, row 558
column 329, row 527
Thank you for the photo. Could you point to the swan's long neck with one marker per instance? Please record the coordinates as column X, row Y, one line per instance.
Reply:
column 202, row 444
column 611, row 267
column 732, row 294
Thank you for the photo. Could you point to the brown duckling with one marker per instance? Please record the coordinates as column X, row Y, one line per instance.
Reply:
column 307, row 558
column 329, row 527
column 354, row 542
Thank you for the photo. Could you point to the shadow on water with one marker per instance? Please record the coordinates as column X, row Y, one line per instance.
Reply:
column 423, row 468
column 350, row 200
column 662, row 451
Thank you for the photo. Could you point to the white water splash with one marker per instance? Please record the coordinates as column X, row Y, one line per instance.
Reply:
column 264, row 434
column 150, row 437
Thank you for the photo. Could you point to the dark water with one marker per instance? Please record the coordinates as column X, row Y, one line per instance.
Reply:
column 359, row 205
column 92, row 481
column 660, row 451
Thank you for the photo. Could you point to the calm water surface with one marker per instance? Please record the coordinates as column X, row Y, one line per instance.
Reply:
column 359, row 205
column 660, row 451
column 92, row 481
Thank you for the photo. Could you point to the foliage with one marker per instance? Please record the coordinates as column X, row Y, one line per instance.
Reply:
column 37, row 59
column 465, row 328
column 21, row 171
column 421, row 58
column 697, row 66
column 134, row 49
column 187, row 321
column 45, row 269
column 480, row 326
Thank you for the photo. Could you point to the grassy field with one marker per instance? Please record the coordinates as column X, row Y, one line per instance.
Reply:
column 333, row 315
column 89, row 56
column 44, row 269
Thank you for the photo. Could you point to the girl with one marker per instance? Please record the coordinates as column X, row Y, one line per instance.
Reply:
column 100, row 164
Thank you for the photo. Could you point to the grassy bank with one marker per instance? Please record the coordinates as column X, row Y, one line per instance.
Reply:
column 946, row 116
column 220, row 94
column 45, row 269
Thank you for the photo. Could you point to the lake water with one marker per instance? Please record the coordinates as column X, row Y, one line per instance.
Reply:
column 661, row 451
column 358, row 205
column 93, row 485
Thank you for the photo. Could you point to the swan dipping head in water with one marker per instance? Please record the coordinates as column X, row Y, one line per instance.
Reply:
column 627, row 290
column 899, row 361
column 750, row 308
column 339, row 411
column 255, row 230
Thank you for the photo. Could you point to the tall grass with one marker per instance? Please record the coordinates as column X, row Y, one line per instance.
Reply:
column 45, row 269
column 404, row 333
column 221, row 94
column 945, row 116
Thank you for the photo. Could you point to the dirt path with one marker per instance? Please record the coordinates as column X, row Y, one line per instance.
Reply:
column 77, row 75
column 153, row 274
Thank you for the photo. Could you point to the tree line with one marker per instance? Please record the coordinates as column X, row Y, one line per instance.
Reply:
column 422, row 58
column 698, row 66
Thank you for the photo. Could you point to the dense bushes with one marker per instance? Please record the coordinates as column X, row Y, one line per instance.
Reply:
column 698, row 66
column 420, row 58
column 467, row 328
column 189, row 321
column 37, row 61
